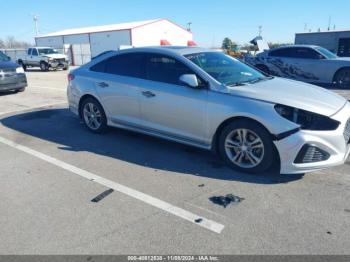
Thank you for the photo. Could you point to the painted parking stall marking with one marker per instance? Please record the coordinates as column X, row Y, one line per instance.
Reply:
column 179, row 212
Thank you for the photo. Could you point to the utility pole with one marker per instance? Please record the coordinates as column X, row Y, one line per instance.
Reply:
column 35, row 19
column 189, row 26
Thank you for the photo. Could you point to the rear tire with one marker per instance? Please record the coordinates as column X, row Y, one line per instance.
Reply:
column 22, row 65
column 342, row 79
column 93, row 116
column 247, row 147
column 65, row 68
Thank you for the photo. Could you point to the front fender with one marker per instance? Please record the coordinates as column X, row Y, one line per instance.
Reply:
column 222, row 107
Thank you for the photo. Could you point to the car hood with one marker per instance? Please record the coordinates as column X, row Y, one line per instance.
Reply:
column 292, row 93
column 56, row 56
column 8, row 65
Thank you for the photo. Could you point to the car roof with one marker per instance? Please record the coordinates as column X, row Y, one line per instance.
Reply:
column 293, row 46
column 42, row 47
column 178, row 50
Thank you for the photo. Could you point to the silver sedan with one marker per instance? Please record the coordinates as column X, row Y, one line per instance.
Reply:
column 207, row 99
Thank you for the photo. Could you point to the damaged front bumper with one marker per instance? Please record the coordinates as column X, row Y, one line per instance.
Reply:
column 307, row 151
column 58, row 64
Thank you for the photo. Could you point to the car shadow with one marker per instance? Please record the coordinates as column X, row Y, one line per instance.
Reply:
column 28, row 70
column 6, row 93
column 61, row 127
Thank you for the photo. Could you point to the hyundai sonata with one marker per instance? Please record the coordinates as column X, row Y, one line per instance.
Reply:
column 207, row 99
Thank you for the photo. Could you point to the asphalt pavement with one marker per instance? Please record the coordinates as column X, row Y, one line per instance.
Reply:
column 67, row 191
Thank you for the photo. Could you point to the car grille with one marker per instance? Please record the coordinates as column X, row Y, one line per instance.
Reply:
column 7, row 72
column 347, row 132
column 61, row 60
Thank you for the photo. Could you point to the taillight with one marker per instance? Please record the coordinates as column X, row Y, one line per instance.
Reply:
column 71, row 77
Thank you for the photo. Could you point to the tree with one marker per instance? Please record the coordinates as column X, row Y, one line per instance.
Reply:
column 2, row 44
column 227, row 44
column 275, row 45
column 11, row 42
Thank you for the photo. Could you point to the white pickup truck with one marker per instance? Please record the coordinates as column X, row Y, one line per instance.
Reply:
column 45, row 58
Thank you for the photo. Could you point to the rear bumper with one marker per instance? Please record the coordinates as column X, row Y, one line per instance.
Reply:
column 332, row 142
column 14, row 82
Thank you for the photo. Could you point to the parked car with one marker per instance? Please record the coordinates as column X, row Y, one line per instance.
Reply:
column 12, row 76
column 101, row 54
column 45, row 58
column 207, row 99
column 307, row 63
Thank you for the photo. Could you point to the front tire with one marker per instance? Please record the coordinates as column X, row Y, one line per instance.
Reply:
column 247, row 147
column 44, row 67
column 93, row 116
column 342, row 79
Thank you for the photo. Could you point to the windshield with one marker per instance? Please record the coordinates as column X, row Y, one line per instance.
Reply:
column 326, row 53
column 225, row 69
column 47, row 51
column 3, row 57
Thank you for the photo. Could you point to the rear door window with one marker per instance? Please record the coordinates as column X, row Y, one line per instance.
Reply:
column 295, row 52
column 29, row 51
column 130, row 65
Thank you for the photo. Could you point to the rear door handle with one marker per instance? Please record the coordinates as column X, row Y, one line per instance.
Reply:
column 148, row 94
column 103, row 84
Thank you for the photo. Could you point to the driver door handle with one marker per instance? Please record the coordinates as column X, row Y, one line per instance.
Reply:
column 103, row 84
column 148, row 94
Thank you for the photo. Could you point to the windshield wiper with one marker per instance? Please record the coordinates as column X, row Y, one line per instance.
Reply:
column 259, row 79
column 237, row 84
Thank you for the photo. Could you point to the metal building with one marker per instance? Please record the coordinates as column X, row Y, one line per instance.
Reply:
column 336, row 41
column 84, row 43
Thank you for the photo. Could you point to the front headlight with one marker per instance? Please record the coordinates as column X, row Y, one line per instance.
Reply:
column 20, row 70
column 307, row 120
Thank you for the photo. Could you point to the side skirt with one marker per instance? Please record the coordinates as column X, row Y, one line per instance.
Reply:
column 158, row 134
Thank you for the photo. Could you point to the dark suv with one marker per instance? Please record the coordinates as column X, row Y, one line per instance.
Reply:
column 12, row 76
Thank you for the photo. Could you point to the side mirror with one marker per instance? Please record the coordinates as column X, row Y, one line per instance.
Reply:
column 189, row 80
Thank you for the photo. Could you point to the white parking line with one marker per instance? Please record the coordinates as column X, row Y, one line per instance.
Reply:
column 179, row 212
column 31, row 108
column 51, row 88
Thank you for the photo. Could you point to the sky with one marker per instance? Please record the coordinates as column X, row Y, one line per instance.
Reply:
column 211, row 20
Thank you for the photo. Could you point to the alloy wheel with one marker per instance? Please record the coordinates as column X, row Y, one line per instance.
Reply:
column 244, row 148
column 343, row 79
column 92, row 116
